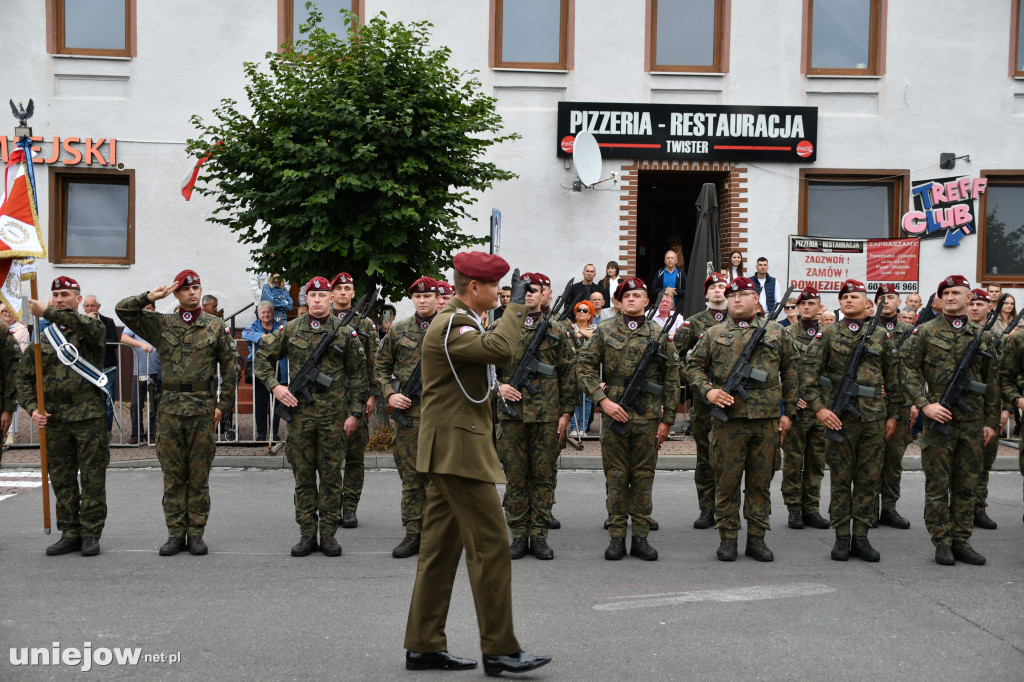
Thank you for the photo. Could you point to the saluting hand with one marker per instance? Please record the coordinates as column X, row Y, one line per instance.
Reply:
column 162, row 291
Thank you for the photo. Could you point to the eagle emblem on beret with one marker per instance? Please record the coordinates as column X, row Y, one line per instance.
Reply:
column 949, row 281
column 421, row 286
column 735, row 286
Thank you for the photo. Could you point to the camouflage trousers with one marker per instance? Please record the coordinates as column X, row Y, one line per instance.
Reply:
column 414, row 484
column 530, row 455
column 951, row 466
column 892, row 465
column 988, row 459
column 315, row 447
column 743, row 452
column 355, row 453
column 803, row 464
column 76, row 450
column 629, row 463
column 855, row 466
column 185, row 448
column 703, row 473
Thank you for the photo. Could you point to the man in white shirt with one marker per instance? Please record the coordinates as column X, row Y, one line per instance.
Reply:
column 768, row 292
column 665, row 307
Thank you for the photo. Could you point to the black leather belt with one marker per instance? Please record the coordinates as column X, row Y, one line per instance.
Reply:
column 186, row 387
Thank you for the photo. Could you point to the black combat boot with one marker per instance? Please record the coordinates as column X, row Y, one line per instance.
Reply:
column 196, row 546
column 329, row 545
column 705, row 520
column 518, row 547
column 348, row 518
column 841, row 550
column 756, row 549
column 892, row 518
column 862, row 549
column 640, row 548
column 554, row 524
column 616, row 549
column 66, row 545
column 409, row 546
column 968, row 556
column 90, row 546
column 307, row 545
column 815, row 520
column 727, row 550
column 944, row 556
column 982, row 520
column 796, row 519
column 172, row 546
column 540, row 549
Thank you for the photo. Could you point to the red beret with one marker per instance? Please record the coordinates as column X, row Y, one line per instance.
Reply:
column 535, row 278
column 807, row 294
column 851, row 286
column 186, row 278
column 885, row 289
column 741, row 284
column 980, row 295
column 629, row 284
column 483, row 267
column 318, row 284
column 715, row 278
column 444, row 288
column 542, row 279
column 952, row 281
column 424, row 285
column 65, row 283
column 342, row 278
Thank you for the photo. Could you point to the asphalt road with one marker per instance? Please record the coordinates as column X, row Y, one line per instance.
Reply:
column 251, row 611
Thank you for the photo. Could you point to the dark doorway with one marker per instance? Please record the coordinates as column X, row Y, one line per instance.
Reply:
column 666, row 208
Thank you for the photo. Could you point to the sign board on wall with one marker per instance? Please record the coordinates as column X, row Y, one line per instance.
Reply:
column 70, row 151
column 944, row 207
column 825, row 263
column 692, row 131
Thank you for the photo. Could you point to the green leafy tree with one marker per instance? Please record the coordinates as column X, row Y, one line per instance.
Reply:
column 1004, row 247
column 361, row 153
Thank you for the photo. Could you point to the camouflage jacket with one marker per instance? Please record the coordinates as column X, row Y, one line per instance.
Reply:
column 829, row 357
column 368, row 338
column 10, row 358
column 1011, row 369
column 398, row 355
column 932, row 359
column 616, row 349
column 297, row 341
column 895, row 395
column 67, row 395
column 557, row 394
column 189, row 357
column 686, row 338
column 718, row 350
column 803, row 343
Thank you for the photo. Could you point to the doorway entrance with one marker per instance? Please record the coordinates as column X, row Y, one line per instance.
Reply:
column 666, row 211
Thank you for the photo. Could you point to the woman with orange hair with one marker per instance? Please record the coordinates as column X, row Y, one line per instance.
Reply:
column 582, row 329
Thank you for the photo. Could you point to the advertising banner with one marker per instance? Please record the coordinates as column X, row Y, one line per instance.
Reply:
column 825, row 263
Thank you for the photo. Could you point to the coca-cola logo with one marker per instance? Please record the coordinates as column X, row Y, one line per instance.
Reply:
column 567, row 143
column 804, row 149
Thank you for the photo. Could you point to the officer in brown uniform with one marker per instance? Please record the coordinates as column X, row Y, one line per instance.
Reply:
column 456, row 450
column 343, row 292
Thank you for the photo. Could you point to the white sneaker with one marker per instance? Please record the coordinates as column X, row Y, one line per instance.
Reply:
column 574, row 434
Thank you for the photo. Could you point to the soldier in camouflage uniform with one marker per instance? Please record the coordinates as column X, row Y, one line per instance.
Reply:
column 445, row 291
column 344, row 293
column 700, row 413
column 528, row 442
column 855, row 464
column 192, row 344
column 629, row 461
column 315, row 439
column 1011, row 380
column 398, row 357
column 77, row 439
column 803, row 462
column 951, row 463
column 901, row 406
column 746, row 446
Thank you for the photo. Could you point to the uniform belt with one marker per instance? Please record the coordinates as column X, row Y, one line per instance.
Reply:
column 74, row 398
column 615, row 382
column 762, row 384
column 198, row 387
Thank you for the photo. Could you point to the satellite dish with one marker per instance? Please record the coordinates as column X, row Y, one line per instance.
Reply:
column 586, row 156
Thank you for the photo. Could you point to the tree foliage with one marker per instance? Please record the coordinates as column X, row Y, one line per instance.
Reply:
column 360, row 154
column 1004, row 247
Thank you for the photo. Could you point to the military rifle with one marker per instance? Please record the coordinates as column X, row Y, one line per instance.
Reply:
column 638, row 384
column 302, row 383
column 849, row 389
column 742, row 372
column 412, row 390
column 529, row 366
column 960, row 383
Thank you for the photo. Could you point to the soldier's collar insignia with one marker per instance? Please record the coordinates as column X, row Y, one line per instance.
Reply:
column 529, row 321
column 315, row 324
column 853, row 326
column 424, row 325
column 186, row 316
column 889, row 325
column 743, row 323
column 632, row 325
column 718, row 316
column 957, row 324
column 812, row 331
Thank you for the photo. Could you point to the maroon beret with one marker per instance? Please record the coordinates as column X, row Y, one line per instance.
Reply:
column 63, row 282
column 186, row 278
column 980, row 295
column 342, row 278
column 807, row 294
column 535, row 278
column 741, row 284
column 952, row 281
column 885, row 289
column 542, row 279
column 424, row 285
column 318, row 284
column 715, row 278
column 483, row 267
column 444, row 288
column 629, row 284
column 851, row 286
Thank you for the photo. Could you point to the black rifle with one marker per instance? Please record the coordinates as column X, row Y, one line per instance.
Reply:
column 1009, row 328
column 638, row 384
column 849, row 389
column 302, row 383
column 742, row 372
column 959, row 383
column 412, row 390
column 529, row 366
column 927, row 313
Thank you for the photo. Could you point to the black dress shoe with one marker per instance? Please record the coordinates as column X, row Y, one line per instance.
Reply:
column 982, row 520
column 437, row 660
column 196, row 546
column 554, row 524
column 705, row 520
column 616, row 549
column 944, row 556
column 727, row 550
column 540, row 549
column 892, row 518
column 815, row 520
column 518, row 547
column 66, row 545
column 519, row 662
column 862, row 549
column 172, row 546
column 654, row 525
column 796, row 519
column 409, row 546
column 90, row 546
column 968, row 556
column 329, row 545
column 348, row 519
column 640, row 548
column 306, row 545
column 756, row 549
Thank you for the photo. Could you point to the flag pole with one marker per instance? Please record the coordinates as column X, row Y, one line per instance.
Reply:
column 37, row 353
